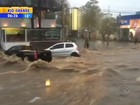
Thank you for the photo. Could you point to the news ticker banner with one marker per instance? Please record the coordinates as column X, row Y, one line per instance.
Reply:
column 16, row 12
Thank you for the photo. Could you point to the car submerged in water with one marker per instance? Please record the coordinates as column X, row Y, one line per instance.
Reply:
column 64, row 49
column 29, row 52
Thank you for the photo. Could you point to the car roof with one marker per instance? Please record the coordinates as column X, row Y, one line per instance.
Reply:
column 20, row 45
column 65, row 43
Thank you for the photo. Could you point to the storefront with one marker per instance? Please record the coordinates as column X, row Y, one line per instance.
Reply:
column 20, row 25
column 128, row 26
column 20, row 32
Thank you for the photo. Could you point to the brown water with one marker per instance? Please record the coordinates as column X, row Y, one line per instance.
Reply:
column 107, row 77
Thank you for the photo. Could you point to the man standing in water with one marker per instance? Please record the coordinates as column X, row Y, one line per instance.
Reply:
column 107, row 40
column 86, row 44
column 137, row 36
column 86, row 37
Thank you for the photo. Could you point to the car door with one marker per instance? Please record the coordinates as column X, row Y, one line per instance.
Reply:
column 68, row 49
column 13, row 50
column 57, row 50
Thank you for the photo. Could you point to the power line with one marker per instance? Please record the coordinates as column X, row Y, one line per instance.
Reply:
column 120, row 11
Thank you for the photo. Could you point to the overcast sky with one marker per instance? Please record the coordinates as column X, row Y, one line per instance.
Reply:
column 115, row 6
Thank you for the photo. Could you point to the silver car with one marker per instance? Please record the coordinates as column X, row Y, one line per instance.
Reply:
column 64, row 49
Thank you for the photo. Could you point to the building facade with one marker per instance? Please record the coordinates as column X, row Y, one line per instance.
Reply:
column 128, row 26
column 15, row 31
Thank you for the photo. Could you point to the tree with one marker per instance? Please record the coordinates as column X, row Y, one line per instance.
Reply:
column 12, row 3
column 108, row 26
column 66, row 7
column 90, row 14
column 44, row 6
column 63, row 17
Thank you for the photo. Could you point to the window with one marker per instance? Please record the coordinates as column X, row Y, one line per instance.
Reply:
column 58, row 46
column 69, row 45
column 3, row 35
column 15, row 48
column 43, row 34
column 15, row 35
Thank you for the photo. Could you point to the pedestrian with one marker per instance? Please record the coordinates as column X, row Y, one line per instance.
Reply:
column 131, row 36
column 86, row 44
column 137, row 35
column 135, row 40
column 107, row 39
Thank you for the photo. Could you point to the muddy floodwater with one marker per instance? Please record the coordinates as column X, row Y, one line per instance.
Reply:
column 98, row 77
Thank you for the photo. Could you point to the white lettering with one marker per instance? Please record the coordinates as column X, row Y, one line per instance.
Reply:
column 9, row 16
column 23, row 10
column 123, row 21
column 10, row 10
column 15, row 16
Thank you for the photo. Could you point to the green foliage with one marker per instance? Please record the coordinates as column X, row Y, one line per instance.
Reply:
column 93, row 18
column 50, row 15
column 108, row 25
column 90, row 14
column 66, row 12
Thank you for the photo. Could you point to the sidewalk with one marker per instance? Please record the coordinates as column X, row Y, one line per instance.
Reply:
column 99, row 45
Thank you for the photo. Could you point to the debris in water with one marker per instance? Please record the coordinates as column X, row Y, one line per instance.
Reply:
column 34, row 99
column 92, row 102
column 48, row 83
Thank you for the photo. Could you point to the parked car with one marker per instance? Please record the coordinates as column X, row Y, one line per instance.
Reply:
column 29, row 52
column 64, row 49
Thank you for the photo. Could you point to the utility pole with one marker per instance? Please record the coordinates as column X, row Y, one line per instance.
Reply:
column 109, row 13
column 109, row 10
column 32, row 20
column 39, row 13
column 119, row 26
column 63, row 20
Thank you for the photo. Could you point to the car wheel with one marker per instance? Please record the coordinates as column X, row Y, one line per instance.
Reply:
column 74, row 54
column 20, row 54
column 47, row 56
column 22, row 58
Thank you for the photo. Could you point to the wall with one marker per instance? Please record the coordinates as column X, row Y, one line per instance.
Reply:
column 18, row 23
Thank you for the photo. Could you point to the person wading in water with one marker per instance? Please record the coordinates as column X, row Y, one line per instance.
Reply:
column 86, row 45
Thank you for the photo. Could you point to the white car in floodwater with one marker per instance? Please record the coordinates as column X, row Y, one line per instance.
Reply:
column 64, row 49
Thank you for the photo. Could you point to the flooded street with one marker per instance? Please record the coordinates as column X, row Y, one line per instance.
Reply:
column 98, row 77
